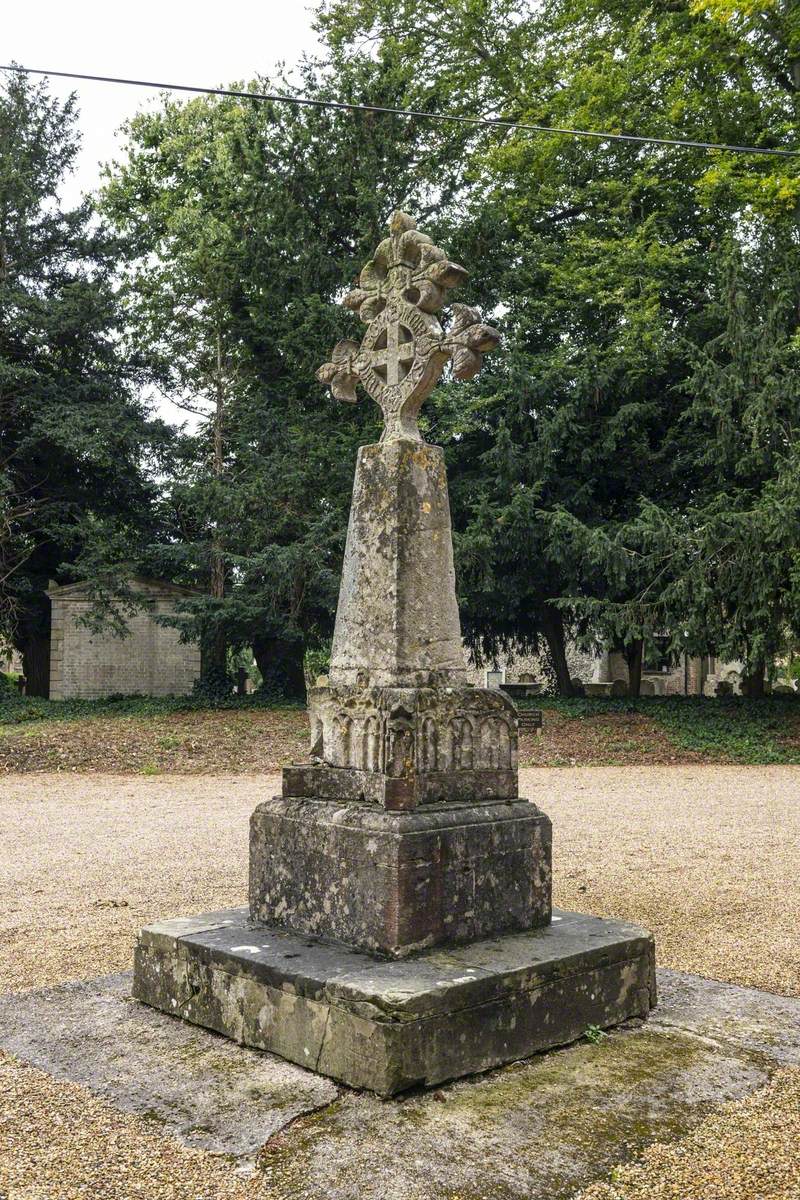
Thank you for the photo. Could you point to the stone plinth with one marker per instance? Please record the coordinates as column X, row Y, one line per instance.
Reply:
column 401, row 747
column 394, row 883
column 389, row 1026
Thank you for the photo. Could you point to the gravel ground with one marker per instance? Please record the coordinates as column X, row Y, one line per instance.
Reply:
column 745, row 1151
column 705, row 856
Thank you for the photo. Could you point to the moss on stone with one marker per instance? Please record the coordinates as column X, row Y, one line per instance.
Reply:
column 636, row 1098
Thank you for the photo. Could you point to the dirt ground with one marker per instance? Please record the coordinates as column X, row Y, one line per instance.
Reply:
column 186, row 743
column 707, row 857
column 262, row 740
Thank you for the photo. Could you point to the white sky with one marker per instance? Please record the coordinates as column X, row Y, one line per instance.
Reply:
column 171, row 41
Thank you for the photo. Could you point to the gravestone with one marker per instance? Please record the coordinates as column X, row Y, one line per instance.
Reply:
column 399, row 929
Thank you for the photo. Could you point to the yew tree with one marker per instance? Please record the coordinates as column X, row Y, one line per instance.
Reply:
column 76, row 444
column 604, row 257
column 247, row 221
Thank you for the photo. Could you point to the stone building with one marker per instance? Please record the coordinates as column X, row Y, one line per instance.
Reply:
column 689, row 676
column 517, row 667
column 150, row 661
column 661, row 675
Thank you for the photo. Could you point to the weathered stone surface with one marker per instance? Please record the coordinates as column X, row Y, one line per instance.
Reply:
column 388, row 1026
column 405, row 349
column 347, row 785
column 400, row 747
column 397, row 619
column 549, row 1125
column 393, row 883
column 214, row 1094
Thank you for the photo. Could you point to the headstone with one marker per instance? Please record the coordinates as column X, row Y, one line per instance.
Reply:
column 399, row 927
column 598, row 688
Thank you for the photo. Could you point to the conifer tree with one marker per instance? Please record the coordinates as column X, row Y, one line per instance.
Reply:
column 602, row 255
column 74, row 441
column 248, row 221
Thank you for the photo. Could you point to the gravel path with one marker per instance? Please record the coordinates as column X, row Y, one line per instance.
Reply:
column 746, row 1151
column 707, row 857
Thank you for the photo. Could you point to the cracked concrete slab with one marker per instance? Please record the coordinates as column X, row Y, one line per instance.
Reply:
column 545, row 1126
column 208, row 1091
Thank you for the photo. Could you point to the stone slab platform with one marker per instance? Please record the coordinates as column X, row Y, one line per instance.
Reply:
column 534, row 1130
column 392, row 1025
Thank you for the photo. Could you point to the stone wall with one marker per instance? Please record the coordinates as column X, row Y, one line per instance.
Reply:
column 698, row 677
column 150, row 661
column 693, row 677
column 530, row 666
column 675, row 682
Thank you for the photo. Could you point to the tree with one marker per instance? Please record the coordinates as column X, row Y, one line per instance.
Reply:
column 247, row 220
column 602, row 254
column 73, row 439
column 728, row 561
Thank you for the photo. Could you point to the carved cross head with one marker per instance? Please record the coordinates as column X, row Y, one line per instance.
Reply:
column 405, row 349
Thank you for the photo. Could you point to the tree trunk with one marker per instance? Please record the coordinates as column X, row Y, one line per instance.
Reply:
column 753, row 684
column 280, row 662
column 633, row 657
column 553, row 630
column 36, row 666
column 216, row 650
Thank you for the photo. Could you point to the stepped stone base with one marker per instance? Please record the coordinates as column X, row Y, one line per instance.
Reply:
column 395, row 883
column 391, row 1025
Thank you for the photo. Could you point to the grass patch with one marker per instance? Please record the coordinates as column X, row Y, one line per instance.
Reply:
column 731, row 728
column 17, row 710
column 191, row 733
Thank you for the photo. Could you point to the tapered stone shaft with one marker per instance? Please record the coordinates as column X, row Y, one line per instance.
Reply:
column 397, row 622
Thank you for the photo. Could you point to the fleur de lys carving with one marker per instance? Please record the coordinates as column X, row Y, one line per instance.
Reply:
column 339, row 373
column 405, row 349
column 468, row 339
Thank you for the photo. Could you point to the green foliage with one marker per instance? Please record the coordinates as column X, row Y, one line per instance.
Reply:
column 214, row 686
column 73, row 439
column 18, row 710
column 728, row 559
column 317, row 661
column 606, row 259
column 8, row 684
column 627, row 466
column 732, row 728
column 246, row 221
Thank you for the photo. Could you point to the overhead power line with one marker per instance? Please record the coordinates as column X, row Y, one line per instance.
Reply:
column 485, row 122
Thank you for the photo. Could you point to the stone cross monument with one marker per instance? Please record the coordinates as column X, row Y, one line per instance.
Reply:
column 400, row 928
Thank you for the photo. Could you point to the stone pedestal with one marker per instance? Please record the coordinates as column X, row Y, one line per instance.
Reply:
column 395, row 883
